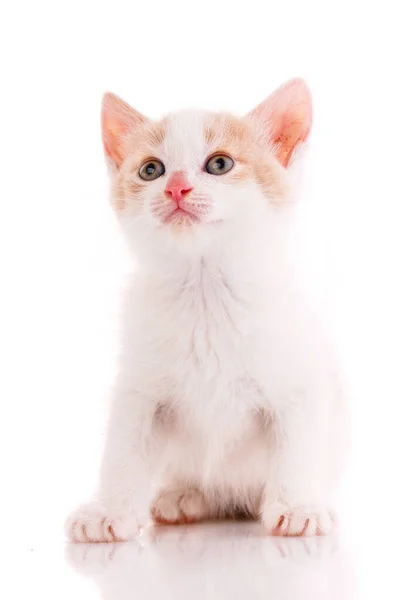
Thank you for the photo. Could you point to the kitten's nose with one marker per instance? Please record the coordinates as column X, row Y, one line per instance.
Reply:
column 178, row 186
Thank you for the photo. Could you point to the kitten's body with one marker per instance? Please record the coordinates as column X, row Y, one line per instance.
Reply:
column 227, row 400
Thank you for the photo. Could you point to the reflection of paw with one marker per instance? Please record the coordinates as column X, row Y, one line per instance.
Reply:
column 93, row 560
column 90, row 559
column 303, row 548
column 177, row 506
column 96, row 523
column 297, row 521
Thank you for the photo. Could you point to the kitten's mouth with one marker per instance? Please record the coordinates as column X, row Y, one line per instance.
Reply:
column 181, row 216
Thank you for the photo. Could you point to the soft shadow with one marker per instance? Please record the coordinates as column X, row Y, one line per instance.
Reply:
column 215, row 560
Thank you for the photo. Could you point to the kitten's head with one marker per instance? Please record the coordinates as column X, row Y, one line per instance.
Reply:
column 195, row 175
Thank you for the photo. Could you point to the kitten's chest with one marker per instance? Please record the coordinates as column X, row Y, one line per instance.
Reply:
column 208, row 332
column 202, row 343
column 207, row 346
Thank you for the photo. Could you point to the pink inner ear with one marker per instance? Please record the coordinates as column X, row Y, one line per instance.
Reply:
column 118, row 119
column 287, row 114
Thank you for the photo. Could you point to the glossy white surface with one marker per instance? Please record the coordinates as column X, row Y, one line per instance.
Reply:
column 212, row 561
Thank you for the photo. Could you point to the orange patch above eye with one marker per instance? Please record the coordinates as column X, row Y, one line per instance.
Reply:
column 227, row 135
column 234, row 136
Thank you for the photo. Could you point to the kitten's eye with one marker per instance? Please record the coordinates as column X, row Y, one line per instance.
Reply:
column 151, row 169
column 219, row 164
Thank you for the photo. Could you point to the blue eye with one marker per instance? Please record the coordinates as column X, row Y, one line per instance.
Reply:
column 151, row 169
column 219, row 164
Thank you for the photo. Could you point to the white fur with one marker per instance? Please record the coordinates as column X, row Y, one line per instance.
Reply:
column 227, row 396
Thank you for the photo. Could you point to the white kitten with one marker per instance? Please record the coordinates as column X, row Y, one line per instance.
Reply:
column 227, row 401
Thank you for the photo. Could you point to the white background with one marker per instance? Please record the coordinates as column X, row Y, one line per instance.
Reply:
column 62, row 263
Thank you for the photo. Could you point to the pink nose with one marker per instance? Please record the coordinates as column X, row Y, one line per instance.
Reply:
column 178, row 186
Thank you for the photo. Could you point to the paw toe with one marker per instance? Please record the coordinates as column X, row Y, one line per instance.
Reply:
column 178, row 507
column 94, row 523
column 297, row 521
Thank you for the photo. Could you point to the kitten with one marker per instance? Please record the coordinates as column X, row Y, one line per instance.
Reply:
column 226, row 401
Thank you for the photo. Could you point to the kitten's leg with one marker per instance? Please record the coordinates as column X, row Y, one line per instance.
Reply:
column 295, row 496
column 122, row 504
column 180, row 505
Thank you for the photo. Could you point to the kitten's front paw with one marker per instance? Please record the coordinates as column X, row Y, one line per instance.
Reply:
column 173, row 507
column 299, row 520
column 97, row 523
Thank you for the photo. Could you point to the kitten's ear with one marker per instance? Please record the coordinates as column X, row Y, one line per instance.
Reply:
column 284, row 119
column 117, row 119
